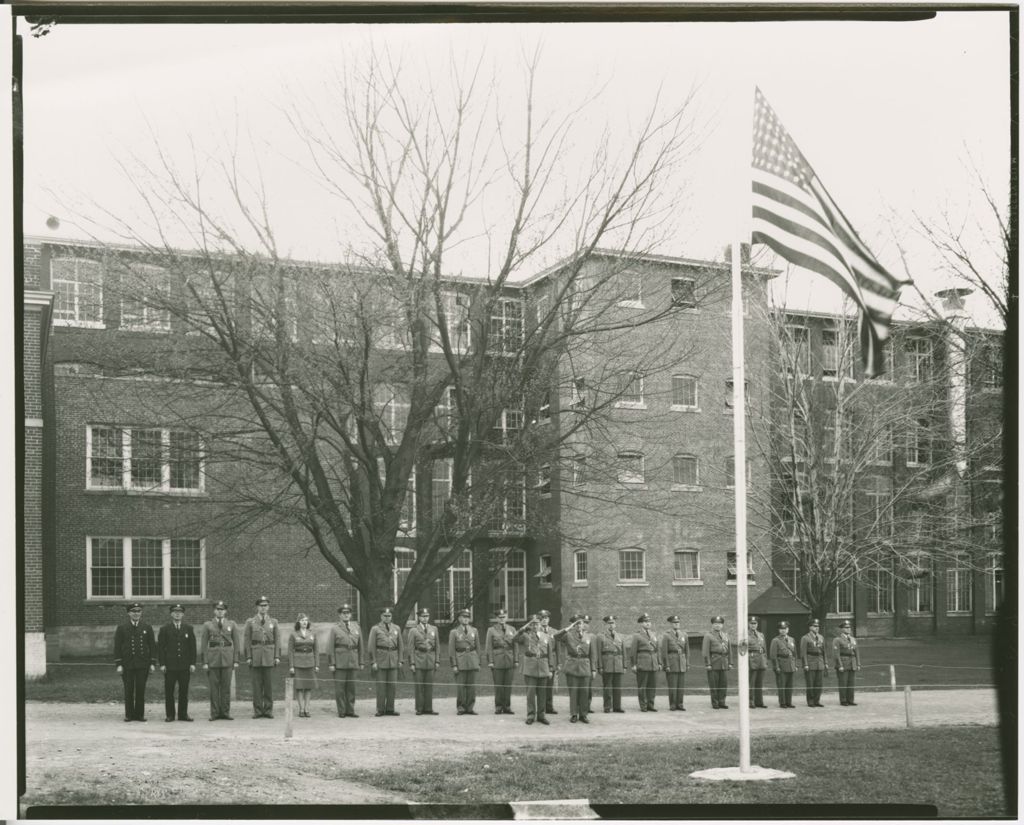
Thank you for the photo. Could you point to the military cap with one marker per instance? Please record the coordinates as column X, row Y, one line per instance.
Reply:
column 384, row 610
column 783, row 625
column 845, row 623
column 545, row 614
column 423, row 612
column 576, row 617
column 177, row 608
column 751, row 619
column 586, row 618
column 345, row 607
column 643, row 617
column 133, row 606
column 501, row 614
column 263, row 600
column 464, row 612
column 671, row 619
column 815, row 623
column 717, row 620
column 221, row 605
column 609, row 618
column 533, row 618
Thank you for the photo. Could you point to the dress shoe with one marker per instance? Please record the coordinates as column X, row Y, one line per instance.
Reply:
column 498, row 712
column 510, row 712
column 430, row 712
column 419, row 713
column 652, row 709
column 140, row 718
column 618, row 710
column 681, row 708
column 269, row 715
column 549, row 712
column 129, row 719
column 379, row 713
column 461, row 713
column 607, row 710
column 229, row 718
column 352, row 715
column 724, row 707
column 760, row 706
column 851, row 704
column 470, row 713
column 186, row 719
column 341, row 715
column 392, row 713
column 169, row 719
column 584, row 720
column 643, row 710
column 529, row 721
column 543, row 721
column 574, row 718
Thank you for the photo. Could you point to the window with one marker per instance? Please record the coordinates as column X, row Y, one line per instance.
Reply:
column 730, row 471
column 440, row 486
column 631, row 468
column 208, row 298
column 787, row 571
column 729, row 392
column 686, row 566
column 830, row 353
column 445, row 412
column 958, row 585
column 579, row 394
column 404, row 560
column 684, row 471
column 684, row 293
column 838, row 433
column 506, row 328
column 631, row 390
column 544, row 571
column 630, row 288
column 348, row 594
column 275, row 301
column 994, row 582
column 888, row 363
column 879, row 449
column 877, row 513
column 919, row 446
column 731, row 570
column 544, row 480
column 684, row 392
column 579, row 567
column 989, row 365
column 878, row 580
column 921, row 590
column 145, row 567
column 544, row 408
column 841, row 604
column 631, row 566
column 391, row 405
column 456, row 319
column 579, row 470
column 508, row 584
column 145, row 302
column 798, row 340
column 454, row 590
column 150, row 460
column 77, row 285
column 919, row 359
column 508, row 425
column 510, row 509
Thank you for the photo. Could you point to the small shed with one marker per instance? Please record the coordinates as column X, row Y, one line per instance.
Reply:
column 777, row 604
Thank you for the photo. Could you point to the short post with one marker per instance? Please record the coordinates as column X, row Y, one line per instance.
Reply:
column 892, row 677
column 288, row 687
column 906, row 701
column 234, row 690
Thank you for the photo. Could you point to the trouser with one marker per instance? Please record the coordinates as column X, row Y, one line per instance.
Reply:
column 535, row 686
column 134, row 680
column 645, row 688
column 423, row 689
column 717, row 686
column 675, row 681
column 387, row 681
column 845, row 678
column 179, row 678
column 502, row 688
column 465, row 692
column 784, row 682
column 220, row 691
column 262, row 695
column 757, row 688
column 590, row 694
column 577, row 687
column 611, row 685
column 812, row 686
column 345, row 690
column 549, row 694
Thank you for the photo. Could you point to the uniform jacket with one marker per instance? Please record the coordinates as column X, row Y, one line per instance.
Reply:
column 464, row 648
column 782, row 653
column 303, row 652
column 643, row 651
column 219, row 645
column 423, row 647
column 756, row 650
column 812, row 652
column 673, row 651
column 609, row 653
column 176, row 649
column 537, row 653
column 499, row 647
column 345, row 646
column 384, row 646
column 134, row 646
column 261, row 641
column 577, row 653
column 715, row 650
column 846, row 654
column 549, row 634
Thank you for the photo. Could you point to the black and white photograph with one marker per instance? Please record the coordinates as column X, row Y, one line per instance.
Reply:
column 632, row 374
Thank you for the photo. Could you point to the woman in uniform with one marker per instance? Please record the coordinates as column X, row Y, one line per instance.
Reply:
column 303, row 662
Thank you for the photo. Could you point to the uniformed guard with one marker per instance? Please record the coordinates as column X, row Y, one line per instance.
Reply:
column 176, row 652
column 220, row 658
column 384, row 646
column 757, row 662
column 500, row 654
column 815, row 664
column 610, row 657
column 262, row 654
column 644, row 661
column 538, row 660
column 674, row 653
column 423, row 649
column 782, row 654
column 135, row 658
column 580, row 666
column 549, row 683
column 590, row 682
column 345, row 655
column 847, row 662
column 464, row 655
column 717, row 663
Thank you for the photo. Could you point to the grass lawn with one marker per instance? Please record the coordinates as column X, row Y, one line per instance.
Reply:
column 879, row 767
column 962, row 661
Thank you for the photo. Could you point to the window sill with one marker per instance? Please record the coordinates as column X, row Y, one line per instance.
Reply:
column 632, row 304
column 543, row 586
column 630, row 405
column 632, row 584
column 839, row 615
column 688, row 583
column 59, row 322
column 956, row 613
column 750, row 581
column 581, row 584
column 919, row 614
column 123, row 491
column 687, row 488
column 194, row 600
column 684, row 408
column 883, row 615
column 152, row 329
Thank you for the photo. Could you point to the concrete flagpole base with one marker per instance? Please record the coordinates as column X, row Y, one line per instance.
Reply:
column 755, row 774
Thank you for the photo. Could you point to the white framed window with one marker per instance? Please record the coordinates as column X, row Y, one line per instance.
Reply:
column 405, row 558
column 130, row 567
column 918, row 352
column 787, row 571
column 877, row 495
column 445, row 411
column 879, row 585
column 684, row 293
column 631, row 467
column 685, row 392
column 440, row 486
column 508, row 583
column 580, row 570
column 919, row 444
column 632, row 566
column 631, row 391
column 143, row 460
column 686, row 566
column 544, row 571
column 77, row 284
column 995, row 583
column 506, row 325
column 921, row 589
column 959, row 595
column 453, row 591
column 630, row 288
column 798, row 341
column 510, row 514
column 835, row 353
column 989, row 364
column 391, row 405
column 544, row 480
column 455, row 306
column 879, row 450
column 730, row 564
column 841, row 604
column 145, row 302
column 579, row 470
column 685, row 472
column 508, row 426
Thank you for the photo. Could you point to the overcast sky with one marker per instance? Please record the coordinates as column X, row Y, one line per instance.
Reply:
column 889, row 114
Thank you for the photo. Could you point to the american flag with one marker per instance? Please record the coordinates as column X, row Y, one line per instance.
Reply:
column 797, row 218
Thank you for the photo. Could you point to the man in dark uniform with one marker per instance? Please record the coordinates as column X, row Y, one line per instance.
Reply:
column 580, row 667
column 176, row 652
column 220, row 658
column 610, row 656
column 812, row 656
column 262, row 655
column 135, row 658
column 715, row 652
column 549, row 683
column 644, row 662
column 847, row 662
column 757, row 662
column 423, row 649
column 464, row 655
column 538, row 659
column 782, row 654
column 345, row 655
column 384, row 647
column 501, row 657
column 673, row 653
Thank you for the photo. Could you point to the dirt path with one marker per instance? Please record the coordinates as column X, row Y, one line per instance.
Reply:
column 79, row 752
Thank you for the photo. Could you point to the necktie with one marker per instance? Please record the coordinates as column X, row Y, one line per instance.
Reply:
column 220, row 623
column 346, row 625
column 177, row 627
column 612, row 634
column 263, row 620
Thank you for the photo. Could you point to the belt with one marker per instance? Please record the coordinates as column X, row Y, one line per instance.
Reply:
column 579, row 656
column 531, row 655
column 219, row 644
column 847, row 655
column 381, row 647
column 260, row 644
